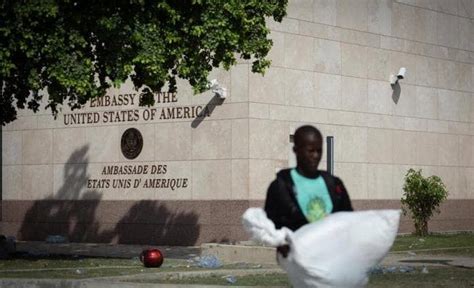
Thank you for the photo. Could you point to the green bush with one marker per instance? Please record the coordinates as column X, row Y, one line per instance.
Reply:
column 422, row 198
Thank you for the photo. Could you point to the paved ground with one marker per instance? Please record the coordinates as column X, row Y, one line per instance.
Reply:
column 176, row 252
column 412, row 259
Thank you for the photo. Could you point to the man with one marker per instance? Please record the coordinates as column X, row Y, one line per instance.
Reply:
column 305, row 194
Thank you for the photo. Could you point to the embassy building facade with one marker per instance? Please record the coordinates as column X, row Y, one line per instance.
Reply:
column 183, row 171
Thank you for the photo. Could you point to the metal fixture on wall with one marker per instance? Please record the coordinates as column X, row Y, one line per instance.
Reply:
column 401, row 75
column 330, row 154
column 217, row 89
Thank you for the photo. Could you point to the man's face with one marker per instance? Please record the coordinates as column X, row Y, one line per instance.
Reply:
column 308, row 153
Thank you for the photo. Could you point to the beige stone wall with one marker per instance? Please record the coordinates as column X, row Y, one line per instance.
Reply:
column 331, row 65
column 46, row 159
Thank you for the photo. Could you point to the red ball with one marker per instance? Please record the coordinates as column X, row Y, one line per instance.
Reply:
column 152, row 258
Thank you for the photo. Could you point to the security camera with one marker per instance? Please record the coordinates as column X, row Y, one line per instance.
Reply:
column 213, row 84
column 401, row 75
column 217, row 89
column 221, row 92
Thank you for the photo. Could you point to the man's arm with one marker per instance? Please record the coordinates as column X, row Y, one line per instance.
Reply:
column 281, row 209
column 272, row 209
column 271, row 203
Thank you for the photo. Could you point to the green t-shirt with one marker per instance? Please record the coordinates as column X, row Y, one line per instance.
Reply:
column 312, row 196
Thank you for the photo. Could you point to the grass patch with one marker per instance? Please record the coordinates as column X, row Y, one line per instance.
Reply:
column 437, row 277
column 270, row 280
column 433, row 241
column 68, row 267
column 78, row 273
column 50, row 262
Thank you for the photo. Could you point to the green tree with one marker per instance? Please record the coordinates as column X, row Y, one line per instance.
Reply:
column 74, row 50
column 422, row 198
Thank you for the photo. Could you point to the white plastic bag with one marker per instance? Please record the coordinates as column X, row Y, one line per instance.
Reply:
column 262, row 229
column 337, row 251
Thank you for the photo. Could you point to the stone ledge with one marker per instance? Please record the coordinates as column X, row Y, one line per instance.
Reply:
column 240, row 253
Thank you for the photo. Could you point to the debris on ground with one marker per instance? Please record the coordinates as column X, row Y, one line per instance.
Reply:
column 209, row 261
column 230, row 279
column 56, row 239
column 392, row 269
column 206, row 261
column 406, row 269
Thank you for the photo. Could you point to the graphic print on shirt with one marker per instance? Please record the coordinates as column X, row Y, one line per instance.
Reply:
column 316, row 209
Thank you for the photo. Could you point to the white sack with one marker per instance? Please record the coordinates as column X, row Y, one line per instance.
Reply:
column 262, row 229
column 337, row 251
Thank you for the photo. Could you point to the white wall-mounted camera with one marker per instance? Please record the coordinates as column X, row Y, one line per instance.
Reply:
column 217, row 89
column 401, row 75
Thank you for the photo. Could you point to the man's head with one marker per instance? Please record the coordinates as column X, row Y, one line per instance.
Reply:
column 308, row 149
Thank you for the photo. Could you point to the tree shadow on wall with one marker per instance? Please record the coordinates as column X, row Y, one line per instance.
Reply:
column 57, row 214
column 72, row 212
column 149, row 220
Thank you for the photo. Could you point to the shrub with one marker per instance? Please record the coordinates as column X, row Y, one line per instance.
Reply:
column 422, row 198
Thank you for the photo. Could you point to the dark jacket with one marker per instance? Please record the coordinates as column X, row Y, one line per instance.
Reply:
column 282, row 207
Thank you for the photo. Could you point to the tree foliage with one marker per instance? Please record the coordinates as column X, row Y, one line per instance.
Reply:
column 72, row 51
column 422, row 198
